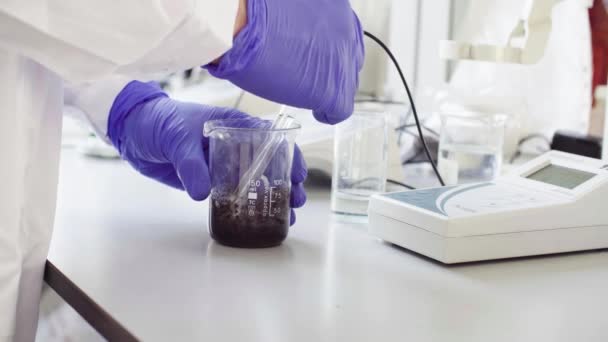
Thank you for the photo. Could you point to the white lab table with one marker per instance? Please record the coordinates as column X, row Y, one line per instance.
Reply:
column 135, row 259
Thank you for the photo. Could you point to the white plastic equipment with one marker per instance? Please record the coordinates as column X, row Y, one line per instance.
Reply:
column 526, row 44
column 555, row 203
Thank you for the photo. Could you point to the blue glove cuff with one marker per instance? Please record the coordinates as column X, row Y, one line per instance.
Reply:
column 133, row 94
column 247, row 44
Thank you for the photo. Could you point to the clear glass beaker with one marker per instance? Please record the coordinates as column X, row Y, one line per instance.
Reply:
column 360, row 162
column 261, row 217
column 471, row 147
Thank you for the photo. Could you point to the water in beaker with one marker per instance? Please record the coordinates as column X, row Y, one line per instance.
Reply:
column 360, row 162
column 471, row 148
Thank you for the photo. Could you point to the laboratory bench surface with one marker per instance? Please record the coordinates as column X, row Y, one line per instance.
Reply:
column 135, row 260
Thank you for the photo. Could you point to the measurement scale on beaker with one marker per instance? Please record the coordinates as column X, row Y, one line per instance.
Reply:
column 252, row 197
column 272, row 197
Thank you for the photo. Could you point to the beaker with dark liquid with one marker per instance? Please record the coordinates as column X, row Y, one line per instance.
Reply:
column 260, row 217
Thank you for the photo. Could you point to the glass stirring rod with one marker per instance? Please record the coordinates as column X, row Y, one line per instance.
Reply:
column 267, row 150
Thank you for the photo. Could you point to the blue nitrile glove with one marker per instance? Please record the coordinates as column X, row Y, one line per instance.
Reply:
column 163, row 139
column 303, row 53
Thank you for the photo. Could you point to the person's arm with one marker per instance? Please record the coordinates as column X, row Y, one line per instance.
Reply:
column 94, row 100
column 198, row 40
column 83, row 41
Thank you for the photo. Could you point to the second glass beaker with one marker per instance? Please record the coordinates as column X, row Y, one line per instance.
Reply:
column 360, row 162
column 471, row 147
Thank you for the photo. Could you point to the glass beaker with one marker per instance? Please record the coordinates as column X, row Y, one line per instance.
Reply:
column 471, row 147
column 261, row 217
column 360, row 162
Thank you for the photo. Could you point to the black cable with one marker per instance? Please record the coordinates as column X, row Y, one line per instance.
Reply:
column 411, row 99
column 414, row 162
column 392, row 181
column 361, row 181
column 516, row 155
column 404, row 120
column 524, row 140
column 405, row 127
column 414, row 159
column 534, row 136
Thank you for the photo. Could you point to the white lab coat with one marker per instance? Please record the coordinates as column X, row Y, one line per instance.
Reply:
column 99, row 45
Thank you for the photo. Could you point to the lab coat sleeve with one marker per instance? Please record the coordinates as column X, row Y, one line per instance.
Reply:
column 89, row 40
column 205, row 35
column 94, row 100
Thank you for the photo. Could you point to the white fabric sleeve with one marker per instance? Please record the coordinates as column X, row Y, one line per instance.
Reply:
column 95, row 100
column 89, row 40
column 202, row 37
column 205, row 34
column 216, row 14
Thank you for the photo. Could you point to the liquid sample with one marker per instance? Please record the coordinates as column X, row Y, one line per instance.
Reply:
column 460, row 164
column 351, row 201
column 260, row 221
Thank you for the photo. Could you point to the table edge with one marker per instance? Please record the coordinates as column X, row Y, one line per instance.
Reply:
column 87, row 308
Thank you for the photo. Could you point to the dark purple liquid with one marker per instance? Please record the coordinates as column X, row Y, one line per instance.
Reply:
column 257, row 223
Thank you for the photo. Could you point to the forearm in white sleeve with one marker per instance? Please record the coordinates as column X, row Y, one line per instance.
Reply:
column 95, row 100
column 88, row 43
column 88, row 40
column 204, row 36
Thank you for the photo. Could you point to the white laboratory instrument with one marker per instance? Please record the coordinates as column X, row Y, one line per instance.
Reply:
column 555, row 203
column 519, row 58
column 526, row 44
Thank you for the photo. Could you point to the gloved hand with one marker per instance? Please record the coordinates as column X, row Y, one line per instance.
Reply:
column 163, row 139
column 303, row 53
